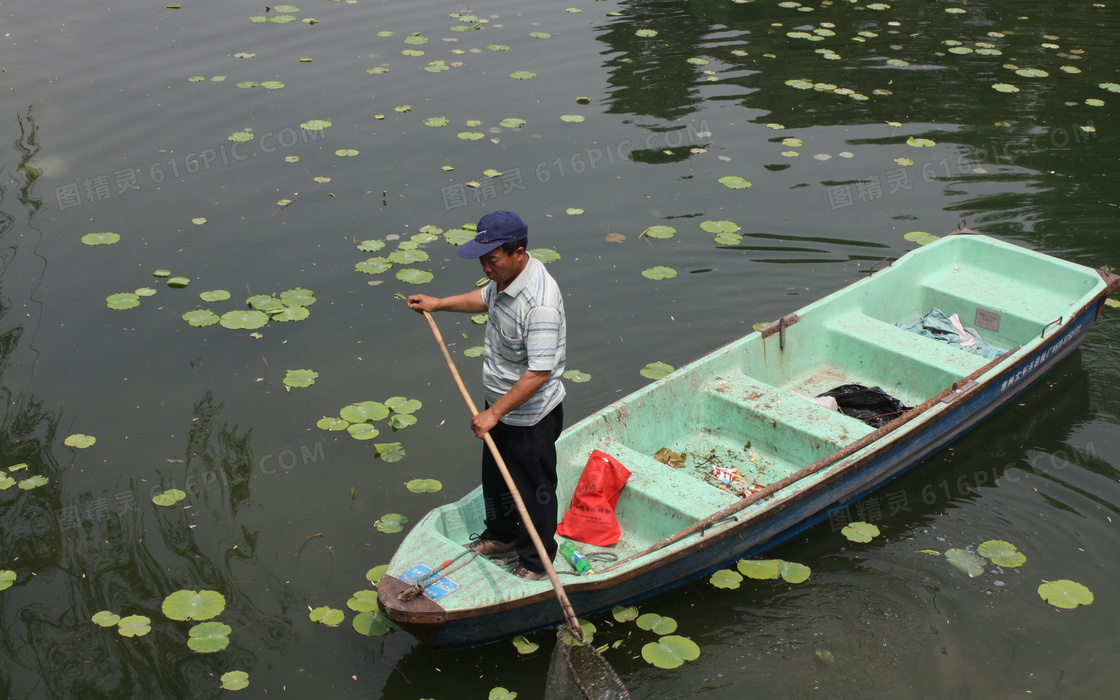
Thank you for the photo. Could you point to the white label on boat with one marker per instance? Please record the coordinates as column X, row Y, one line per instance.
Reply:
column 434, row 590
column 988, row 320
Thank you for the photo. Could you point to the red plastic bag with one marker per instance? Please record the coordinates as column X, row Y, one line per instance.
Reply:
column 591, row 518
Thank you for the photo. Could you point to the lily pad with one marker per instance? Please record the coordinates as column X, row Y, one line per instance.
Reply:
column 659, row 273
column 145, row 292
column 391, row 522
column 921, row 237
column 333, row 424
column 968, row 562
column 545, row 255
column 244, row 319
column 659, row 232
column 576, row 376
column 399, row 421
column 1066, row 594
column 734, row 182
column 670, row 651
column 235, row 680
column 1005, row 87
column 79, row 441
column 178, row 282
column 1001, row 553
column 214, row 295
column 402, row 405
column 572, row 118
column 793, row 572
column 33, row 482
column 860, row 531
column 726, row 578
column 134, row 626
column 390, row 451
column 475, row 351
column 240, row 136
column 656, row 370
column 362, row 431
column 325, row 615
column 646, row 33
column 298, row 297
column 374, row 266
column 372, row 246
column 524, row 646
column 105, row 618
column 209, row 637
column 920, row 143
column 657, row 624
column 7, row 578
column 371, row 624
column 414, row 276
column 512, row 123
column 374, row 575
column 346, row 152
column 291, row 313
column 193, row 605
column 364, row 600
column 407, row 257
column 719, row 226
column 122, row 300
column 424, row 485
column 315, row 125
column 471, row 136
column 107, row 238
column 300, row 378
column 169, row 497
column 760, row 568
column 201, row 317
column 626, row 614
column 523, row 74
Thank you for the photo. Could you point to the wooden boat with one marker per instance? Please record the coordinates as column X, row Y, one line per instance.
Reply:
column 1034, row 308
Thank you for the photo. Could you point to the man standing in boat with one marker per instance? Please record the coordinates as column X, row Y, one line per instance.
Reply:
column 523, row 361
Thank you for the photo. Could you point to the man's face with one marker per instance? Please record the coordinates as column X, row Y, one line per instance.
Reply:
column 503, row 268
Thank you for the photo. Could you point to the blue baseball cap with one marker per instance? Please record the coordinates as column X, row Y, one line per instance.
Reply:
column 493, row 230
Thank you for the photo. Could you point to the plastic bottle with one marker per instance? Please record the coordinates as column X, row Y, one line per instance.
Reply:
column 575, row 557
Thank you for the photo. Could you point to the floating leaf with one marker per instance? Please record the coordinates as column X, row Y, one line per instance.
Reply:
column 726, row 578
column 346, row 152
column 33, row 482
column 399, row 421
column 240, row 136
column 326, row 615
column 670, row 651
column 374, row 266
column 512, row 123
column 371, row 624
column 79, row 441
column 144, row 292
column 860, row 531
column 407, row 257
column 390, row 451
column 545, row 255
column 214, row 295
column 178, row 282
column 539, row 35
column 315, row 125
column 105, row 618
column 793, row 572
column 719, row 226
column 1032, row 73
column 371, row 246
column 1001, row 553
column 734, row 182
column 235, row 680
column 272, row 84
column 402, row 405
column 576, row 118
column 920, row 237
column 362, row 431
column 333, row 424
column 209, row 637
column 107, row 238
column 659, row 273
column 903, row 161
column 7, row 578
column 622, row 614
column 193, row 605
column 374, row 575
column 500, row 693
column 1066, row 594
column 414, row 276
column 391, row 522
column 760, row 568
column 122, row 300
column 300, row 377
column 920, row 143
column 424, row 485
column 729, row 239
column 1005, row 87
column 470, row 135
column 576, row 376
column 364, row 600
column 573, row 211
column 656, row 370
column 243, row 319
column 659, row 232
column 657, row 624
column 524, row 646
column 968, row 562
column 475, row 351
column 523, row 74
column 134, row 626
column 169, row 497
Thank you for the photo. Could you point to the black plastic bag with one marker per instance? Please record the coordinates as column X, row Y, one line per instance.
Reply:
column 871, row 405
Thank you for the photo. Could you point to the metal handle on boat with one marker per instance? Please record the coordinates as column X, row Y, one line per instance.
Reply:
column 1055, row 322
column 888, row 260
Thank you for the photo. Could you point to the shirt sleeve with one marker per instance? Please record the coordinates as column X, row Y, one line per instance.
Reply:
column 542, row 337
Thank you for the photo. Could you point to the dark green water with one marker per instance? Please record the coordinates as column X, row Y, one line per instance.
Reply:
column 101, row 130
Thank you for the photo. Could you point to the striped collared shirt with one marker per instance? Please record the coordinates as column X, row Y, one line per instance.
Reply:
column 525, row 331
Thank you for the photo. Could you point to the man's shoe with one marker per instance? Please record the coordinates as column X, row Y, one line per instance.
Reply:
column 521, row 572
column 488, row 547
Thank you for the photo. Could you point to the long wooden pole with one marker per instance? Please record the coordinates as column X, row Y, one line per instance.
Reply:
column 565, row 604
